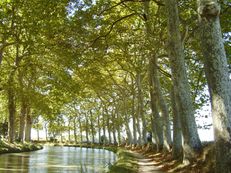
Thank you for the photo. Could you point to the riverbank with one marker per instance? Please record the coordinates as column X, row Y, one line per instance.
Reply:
column 131, row 161
column 112, row 148
column 6, row 147
column 143, row 160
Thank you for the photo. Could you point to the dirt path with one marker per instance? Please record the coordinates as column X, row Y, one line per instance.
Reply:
column 129, row 161
column 145, row 165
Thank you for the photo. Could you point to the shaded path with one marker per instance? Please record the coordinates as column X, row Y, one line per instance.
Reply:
column 146, row 165
column 133, row 162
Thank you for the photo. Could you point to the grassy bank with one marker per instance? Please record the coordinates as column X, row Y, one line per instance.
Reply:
column 126, row 162
column 112, row 148
column 6, row 147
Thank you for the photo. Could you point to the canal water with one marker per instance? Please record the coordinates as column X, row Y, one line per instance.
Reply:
column 58, row 159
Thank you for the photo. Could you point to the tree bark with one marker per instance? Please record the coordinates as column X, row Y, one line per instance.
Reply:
column 129, row 139
column 99, row 128
column 87, row 128
column 11, row 96
column 114, row 136
column 108, row 128
column 162, row 106
column 92, row 128
column 104, row 128
column 75, row 130
column 28, row 125
column 134, row 115
column 128, row 132
column 216, row 69
column 37, row 134
column 157, row 128
column 192, row 143
column 46, row 131
column 114, row 128
column 118, row 129
column 155, row 91
column 140, row 107
column 80, row 129
column 69, row 129
column 11, row 108
column 177, row 149
column 22, row 120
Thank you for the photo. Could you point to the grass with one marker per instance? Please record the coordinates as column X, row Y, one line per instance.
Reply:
column 126, row 162
column 6, row 147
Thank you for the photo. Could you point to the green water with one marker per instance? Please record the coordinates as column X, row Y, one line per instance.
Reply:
column 58, row 159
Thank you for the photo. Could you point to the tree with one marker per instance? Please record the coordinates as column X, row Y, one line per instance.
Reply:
column 192, row 142
column 156, row 92
column 216, row 68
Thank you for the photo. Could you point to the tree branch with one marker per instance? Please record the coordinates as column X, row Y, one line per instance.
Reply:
column 111, row 27
column 164, row 72
column 121, row 2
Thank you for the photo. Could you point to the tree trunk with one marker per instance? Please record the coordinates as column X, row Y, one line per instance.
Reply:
column 87, row 129
column 11, row 108
column 23, row 109
column 157, row 127
column 61, row 137
column 99, row 129
column 162, row 106
column 156, row 83
column 46, row 131
column 192, row 143
column 108, row 129
column 80, row 130
column 22, row 122
column 139, row 141
column 140, row 108
column 114, row 136
column 37, row 134
column 28, row 126
column 92, row 128
column 118, row 134
column 11, row 94
column 104, row 128
column 118, row 127
column 129, row 139
column 177, row 149
column 129, row 133
column 75, row 130
column 134, row 115
column 114, row 128
column 216, row 68
column 69, row 129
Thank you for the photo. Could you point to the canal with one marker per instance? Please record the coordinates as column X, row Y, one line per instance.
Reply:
column 58, row 159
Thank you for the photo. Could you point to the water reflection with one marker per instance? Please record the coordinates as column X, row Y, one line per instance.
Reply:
column 58, row 159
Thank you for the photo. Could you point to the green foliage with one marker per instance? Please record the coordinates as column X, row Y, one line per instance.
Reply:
column 77, row 57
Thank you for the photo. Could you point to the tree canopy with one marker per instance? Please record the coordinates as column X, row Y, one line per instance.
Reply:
column 103, row 67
